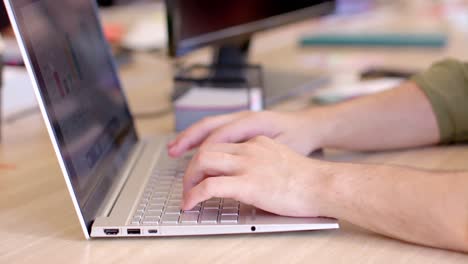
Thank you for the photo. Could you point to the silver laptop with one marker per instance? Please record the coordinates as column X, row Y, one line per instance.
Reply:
column 120, row 186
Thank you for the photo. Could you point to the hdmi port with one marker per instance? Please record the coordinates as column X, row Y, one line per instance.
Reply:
column 112, row 231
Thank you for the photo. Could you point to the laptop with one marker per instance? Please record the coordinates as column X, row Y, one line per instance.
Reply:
column 120, row 185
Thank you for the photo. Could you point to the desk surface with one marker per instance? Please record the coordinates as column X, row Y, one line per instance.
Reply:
column 38, row 223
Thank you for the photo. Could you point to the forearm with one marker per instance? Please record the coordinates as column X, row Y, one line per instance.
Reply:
column 399, row 118
column 417, row 206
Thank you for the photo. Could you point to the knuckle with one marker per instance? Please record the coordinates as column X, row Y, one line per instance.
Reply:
column 203, row 148
column 200, row 157
column 260, row 139
column 224, row 158
column 208, row 186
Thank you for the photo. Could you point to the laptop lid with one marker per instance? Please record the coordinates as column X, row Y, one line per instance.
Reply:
column 79, row 93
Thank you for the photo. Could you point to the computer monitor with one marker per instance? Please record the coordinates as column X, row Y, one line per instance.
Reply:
column 194, row 24
column 228, row 25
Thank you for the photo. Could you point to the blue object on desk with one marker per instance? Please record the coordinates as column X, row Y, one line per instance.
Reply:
column 433, row 40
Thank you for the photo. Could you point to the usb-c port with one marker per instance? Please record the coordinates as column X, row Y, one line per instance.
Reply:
column 153, row 231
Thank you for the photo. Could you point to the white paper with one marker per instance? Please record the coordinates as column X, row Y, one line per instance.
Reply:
column 17, row 92
column 206, row 98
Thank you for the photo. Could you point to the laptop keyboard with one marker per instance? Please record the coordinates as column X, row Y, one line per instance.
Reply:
column 162, row 197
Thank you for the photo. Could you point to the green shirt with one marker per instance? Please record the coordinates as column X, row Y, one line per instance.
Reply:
column 446, row 86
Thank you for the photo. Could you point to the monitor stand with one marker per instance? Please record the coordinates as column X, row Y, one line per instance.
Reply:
column 279, row 85
column 229, row 63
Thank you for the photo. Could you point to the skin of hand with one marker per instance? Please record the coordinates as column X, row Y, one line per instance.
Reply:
column 426, row 208
column 398, row 118
column 293, row 129
column 260, row 172
column 417, row 206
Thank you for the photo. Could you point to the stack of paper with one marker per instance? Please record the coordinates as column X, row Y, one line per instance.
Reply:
column 199, row 102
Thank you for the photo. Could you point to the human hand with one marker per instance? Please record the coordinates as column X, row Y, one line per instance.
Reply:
column 259, row 172
column 298, row 130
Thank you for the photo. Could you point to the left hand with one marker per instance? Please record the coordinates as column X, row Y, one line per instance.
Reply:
column 259, row 172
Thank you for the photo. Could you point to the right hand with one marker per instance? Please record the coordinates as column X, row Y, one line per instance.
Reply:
column 294, row 129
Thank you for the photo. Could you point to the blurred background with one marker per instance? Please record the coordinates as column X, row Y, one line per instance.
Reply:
column 137, row 32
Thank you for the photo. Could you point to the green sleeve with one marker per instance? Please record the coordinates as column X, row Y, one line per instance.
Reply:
column 446, row 86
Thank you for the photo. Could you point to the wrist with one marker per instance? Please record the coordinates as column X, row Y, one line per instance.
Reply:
column 333, row 186
column 322, row 177
column 322, row 123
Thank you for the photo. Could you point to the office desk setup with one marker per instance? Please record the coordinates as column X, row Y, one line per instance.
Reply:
column 39, row 225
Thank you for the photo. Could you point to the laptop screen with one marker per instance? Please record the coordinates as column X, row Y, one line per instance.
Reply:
column 81, row 93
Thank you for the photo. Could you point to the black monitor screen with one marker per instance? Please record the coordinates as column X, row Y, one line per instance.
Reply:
column 195, row 23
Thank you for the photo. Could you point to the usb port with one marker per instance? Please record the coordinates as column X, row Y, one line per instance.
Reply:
column 111, row 231
column 153, row 231
column 133, row 231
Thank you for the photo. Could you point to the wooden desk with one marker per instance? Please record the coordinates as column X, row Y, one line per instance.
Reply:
column 38, row 223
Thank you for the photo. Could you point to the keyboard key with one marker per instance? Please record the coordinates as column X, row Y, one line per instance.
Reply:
column 167, row 172
column 155, row 204
column 140, row 208
column 209, row 217
column 196, row 208
column 189, row 218
column 172, row 210
column 166, row 178
column 161, row 189
column 157, row 208
column 139, row 214
column 135, row 220
column 214, row 200
column 211, row 205
column 229, row 211
column 158, row 196
column 230, row 204
column 151, row 220
column 162, row 186
column 177, row 188
column 228, row 219
column 170, row 219
column 176, row 196
column 153, row 213
column 173, row 203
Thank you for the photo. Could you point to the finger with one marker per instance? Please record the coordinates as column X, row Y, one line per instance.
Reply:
column 238, row 131
column 196, row 133
column 230, row 148
column 225, row 187
column 209, row 163
column 262, row 140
